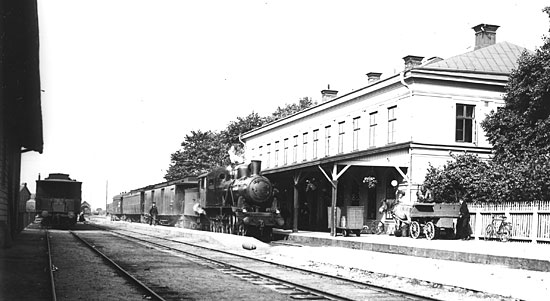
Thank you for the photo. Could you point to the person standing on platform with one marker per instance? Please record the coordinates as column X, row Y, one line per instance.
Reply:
column 463, row 229
column 153, row 212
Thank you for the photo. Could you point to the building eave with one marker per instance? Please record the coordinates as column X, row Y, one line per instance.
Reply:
column 342, row 158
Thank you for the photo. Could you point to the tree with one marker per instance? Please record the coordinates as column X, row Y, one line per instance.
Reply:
column 230, row 137
column 200, row 152
column 291, row 109
column 520, row 130
column 462, row 177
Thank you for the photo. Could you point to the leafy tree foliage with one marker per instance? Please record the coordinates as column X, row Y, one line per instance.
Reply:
column 521, row 128
column 242, row 125
column 203, row 151
column 520, row 134
column 200, row 152
column 291, row 109
column 463, row 177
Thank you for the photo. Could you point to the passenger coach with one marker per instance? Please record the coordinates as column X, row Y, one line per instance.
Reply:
column 169, row 197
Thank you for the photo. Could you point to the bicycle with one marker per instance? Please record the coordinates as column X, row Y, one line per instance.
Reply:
column 498, row 228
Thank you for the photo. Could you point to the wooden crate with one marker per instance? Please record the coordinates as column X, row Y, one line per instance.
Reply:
column 354, row 217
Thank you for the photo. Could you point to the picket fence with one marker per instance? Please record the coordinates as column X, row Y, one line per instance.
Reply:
column 530, row 220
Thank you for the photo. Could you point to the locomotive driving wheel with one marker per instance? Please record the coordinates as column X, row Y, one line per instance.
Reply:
column 415, row 229
column 430, row 230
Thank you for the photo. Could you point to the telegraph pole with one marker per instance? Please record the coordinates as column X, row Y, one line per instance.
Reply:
column 106, row 194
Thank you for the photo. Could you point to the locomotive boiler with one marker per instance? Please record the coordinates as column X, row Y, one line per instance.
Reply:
column 58, row 199
column 238, row 201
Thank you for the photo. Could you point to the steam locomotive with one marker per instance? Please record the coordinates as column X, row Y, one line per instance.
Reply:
column 58, row 200
column 237, row 201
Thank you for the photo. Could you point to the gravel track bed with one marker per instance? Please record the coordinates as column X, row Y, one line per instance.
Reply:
column 80, row 274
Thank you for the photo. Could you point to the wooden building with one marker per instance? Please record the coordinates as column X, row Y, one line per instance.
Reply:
column 20, row 108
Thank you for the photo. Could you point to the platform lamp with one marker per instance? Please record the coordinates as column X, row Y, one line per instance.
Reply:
column 394, row 184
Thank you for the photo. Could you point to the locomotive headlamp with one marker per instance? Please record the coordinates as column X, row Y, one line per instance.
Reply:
column 45, row 213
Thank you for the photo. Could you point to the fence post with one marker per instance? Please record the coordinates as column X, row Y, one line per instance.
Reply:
column 479, row 224
column 535, row 223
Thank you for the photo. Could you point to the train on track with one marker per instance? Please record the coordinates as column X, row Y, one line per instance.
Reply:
column 237, row 201
column 58, row 200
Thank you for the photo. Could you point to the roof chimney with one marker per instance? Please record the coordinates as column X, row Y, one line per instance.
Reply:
column 412, row 61
column 328, row 94
column 373, row 77
column 486, row 35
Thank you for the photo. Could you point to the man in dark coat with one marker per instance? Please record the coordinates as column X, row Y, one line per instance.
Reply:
column 463, row 229
column 153, row 212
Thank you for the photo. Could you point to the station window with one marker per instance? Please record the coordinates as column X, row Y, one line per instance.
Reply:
column 295, row 149
column 356, row 130
column 268, row 152
column 315, row 143
column 327, row 141
column 341, row 133
column 285, row 154
column 391, row 124
column 464, row 122
column 372, row 129
column 304, row 149
column 276, row 163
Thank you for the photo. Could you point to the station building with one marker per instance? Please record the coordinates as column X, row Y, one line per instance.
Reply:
column 20, row 105
column 363, row 147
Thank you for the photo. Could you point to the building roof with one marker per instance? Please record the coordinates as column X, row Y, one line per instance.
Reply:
column 501, row 58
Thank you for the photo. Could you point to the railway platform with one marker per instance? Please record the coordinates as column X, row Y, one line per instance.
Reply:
column 24, row 273
column 517, row 270
column 528, row 256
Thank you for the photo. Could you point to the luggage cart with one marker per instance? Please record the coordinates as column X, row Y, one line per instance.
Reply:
column 350, row 221
column 433, row 219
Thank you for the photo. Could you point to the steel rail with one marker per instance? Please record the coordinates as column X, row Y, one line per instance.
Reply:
column 50, row 266
column 303, row 288
column 118, row 267
column 380, row 289
column 368, row 285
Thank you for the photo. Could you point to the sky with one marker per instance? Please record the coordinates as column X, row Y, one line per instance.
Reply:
column 124, row 81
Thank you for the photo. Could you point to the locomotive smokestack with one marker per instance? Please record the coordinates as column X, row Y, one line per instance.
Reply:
column 255, row 167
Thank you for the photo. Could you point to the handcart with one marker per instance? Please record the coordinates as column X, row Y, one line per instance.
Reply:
column 349, row 219
column 433, row 219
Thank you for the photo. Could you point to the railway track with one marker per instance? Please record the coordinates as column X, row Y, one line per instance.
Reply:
column 297, row 283
column 150, row 291
column 51, row 267
column 63, row 252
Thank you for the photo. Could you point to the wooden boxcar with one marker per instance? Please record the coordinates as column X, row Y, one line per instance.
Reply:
column 58, row 199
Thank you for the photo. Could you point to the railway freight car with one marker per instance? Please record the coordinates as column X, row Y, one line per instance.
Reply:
column 58, row 199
